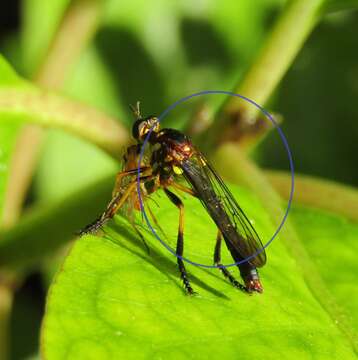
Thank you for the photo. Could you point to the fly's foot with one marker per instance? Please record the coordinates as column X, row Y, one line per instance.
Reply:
column 189, row 290
column 183, row 275
column 91, row 228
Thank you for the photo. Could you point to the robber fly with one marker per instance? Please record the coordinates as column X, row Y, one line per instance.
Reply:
column 172, row 157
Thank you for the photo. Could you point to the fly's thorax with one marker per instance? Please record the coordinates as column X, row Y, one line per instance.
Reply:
column 178, row 146
column 170, row 150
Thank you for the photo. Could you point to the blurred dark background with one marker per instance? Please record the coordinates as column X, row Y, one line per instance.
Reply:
column 317, row 97
column 9, row 18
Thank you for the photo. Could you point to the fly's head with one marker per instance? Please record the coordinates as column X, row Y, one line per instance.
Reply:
column 141, row 127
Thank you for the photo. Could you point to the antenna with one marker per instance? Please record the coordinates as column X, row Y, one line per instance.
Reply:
column 136, row 110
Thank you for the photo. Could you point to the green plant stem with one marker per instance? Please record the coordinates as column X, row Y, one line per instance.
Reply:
column 318, row 193
column 247, row 173
column 45, row 109
column 282, row 46
column 262, row 78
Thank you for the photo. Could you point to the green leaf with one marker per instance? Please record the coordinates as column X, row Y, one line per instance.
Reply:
column 331, row 240
column 112, row 299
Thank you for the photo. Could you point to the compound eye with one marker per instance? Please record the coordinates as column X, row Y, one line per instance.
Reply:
column 137, row 128
column 143, row 129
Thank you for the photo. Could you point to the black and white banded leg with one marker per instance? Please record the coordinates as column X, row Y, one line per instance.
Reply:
column 224, row 270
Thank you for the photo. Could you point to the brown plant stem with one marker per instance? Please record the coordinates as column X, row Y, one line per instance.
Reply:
column 280, row 48
column 46, row 109
column 5, row 307
column 317, row 193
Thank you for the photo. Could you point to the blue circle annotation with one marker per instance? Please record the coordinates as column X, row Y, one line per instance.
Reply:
column 284, row 140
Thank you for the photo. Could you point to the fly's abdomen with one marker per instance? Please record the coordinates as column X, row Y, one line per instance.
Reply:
column 216, row 210
column 235, row 242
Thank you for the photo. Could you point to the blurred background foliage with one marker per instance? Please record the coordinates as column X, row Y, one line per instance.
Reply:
column 159, row 51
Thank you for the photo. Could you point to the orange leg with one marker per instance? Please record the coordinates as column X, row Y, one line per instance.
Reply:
column 113, row 206
column 118, row 183
column 155, row 220
column 184, row 189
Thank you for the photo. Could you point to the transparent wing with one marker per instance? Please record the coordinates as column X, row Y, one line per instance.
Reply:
column 239, row 234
